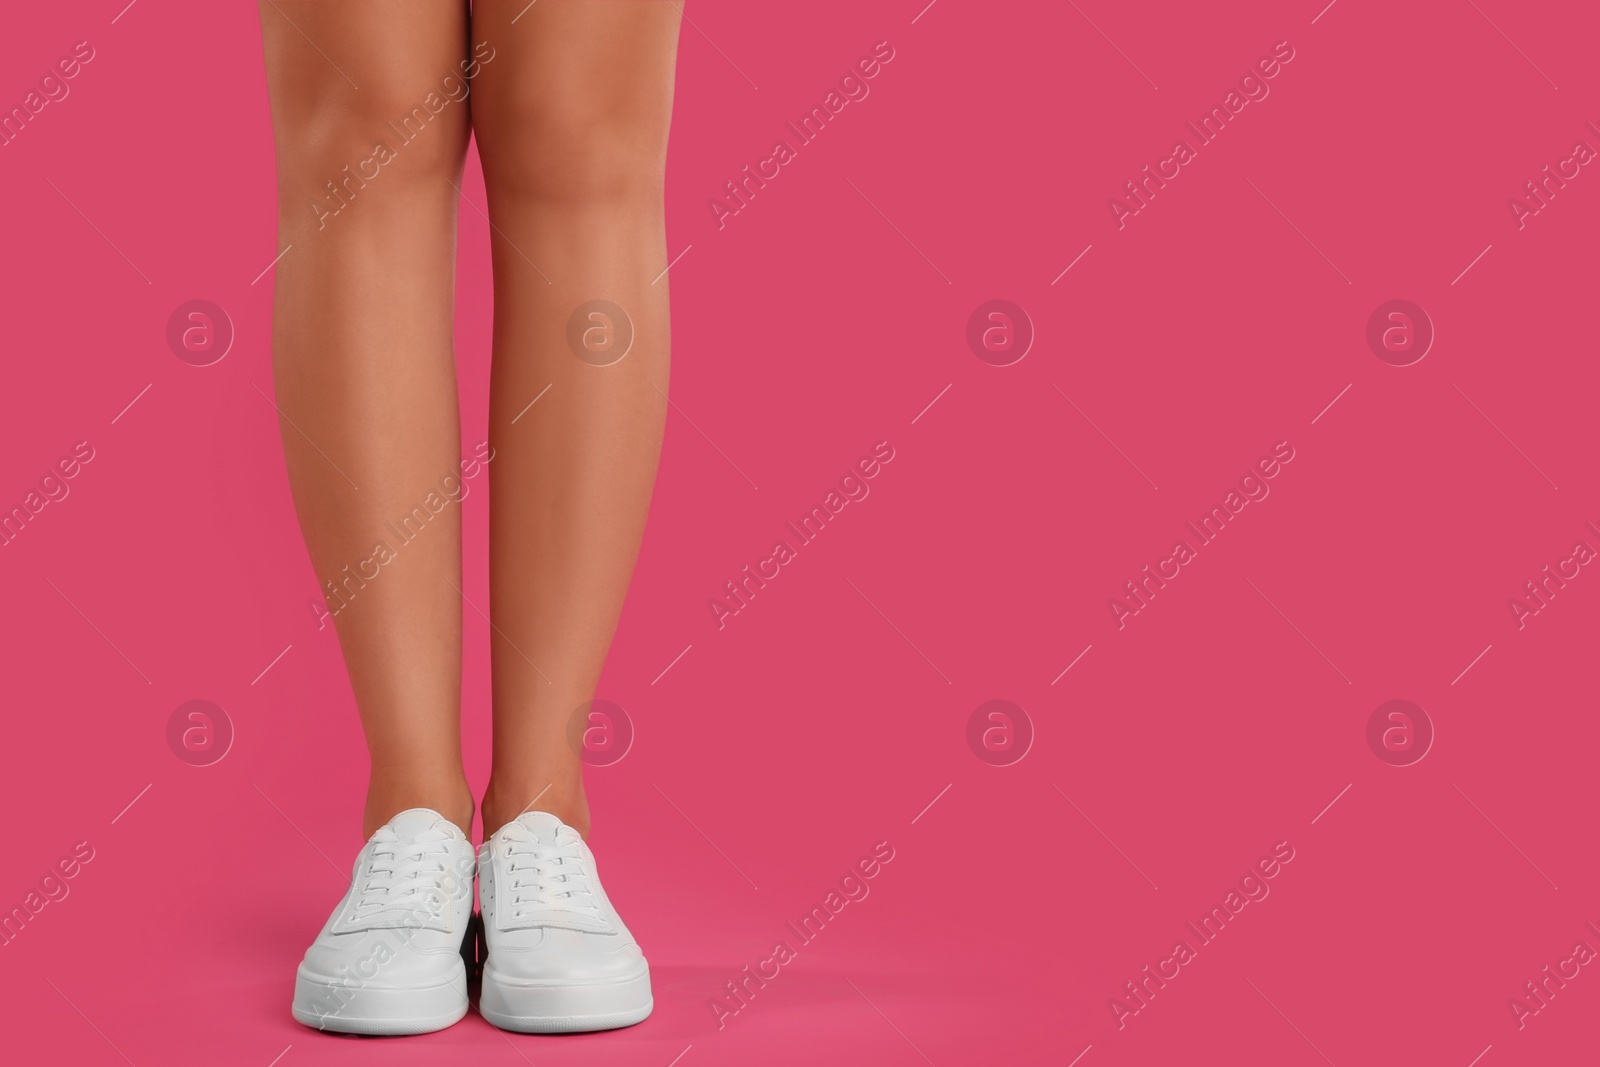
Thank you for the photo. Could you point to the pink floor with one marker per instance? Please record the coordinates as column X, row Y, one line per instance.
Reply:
column 1175, row 354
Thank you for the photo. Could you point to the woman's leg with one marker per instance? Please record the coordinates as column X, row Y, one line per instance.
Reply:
column 571, row 116
column 371, row 125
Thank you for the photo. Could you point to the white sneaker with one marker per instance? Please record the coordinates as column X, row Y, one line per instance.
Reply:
column 559, row 958
column 389, row 960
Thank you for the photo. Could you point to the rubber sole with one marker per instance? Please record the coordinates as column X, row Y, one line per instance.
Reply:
column 327, row 1004
column 531, row 1008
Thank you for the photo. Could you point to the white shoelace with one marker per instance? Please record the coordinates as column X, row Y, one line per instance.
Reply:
column 407, row 878
column 548, row 876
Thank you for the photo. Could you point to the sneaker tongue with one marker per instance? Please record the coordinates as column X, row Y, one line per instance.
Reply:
column 541, row 824
column 410, row 825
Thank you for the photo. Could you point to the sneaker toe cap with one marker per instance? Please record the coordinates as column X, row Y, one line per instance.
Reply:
column 552, row 954
column 384, row 958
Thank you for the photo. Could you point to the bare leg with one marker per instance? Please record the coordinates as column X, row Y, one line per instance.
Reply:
column 571, row 117
column 363, row 363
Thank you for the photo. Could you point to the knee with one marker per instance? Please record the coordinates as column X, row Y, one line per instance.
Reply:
column 330, row 133
column 597, row 152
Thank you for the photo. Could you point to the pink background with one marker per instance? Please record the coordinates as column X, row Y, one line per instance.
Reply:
column 1224, row 718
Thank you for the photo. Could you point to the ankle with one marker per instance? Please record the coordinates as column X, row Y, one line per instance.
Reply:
column 565, row 799
column 385, row 800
